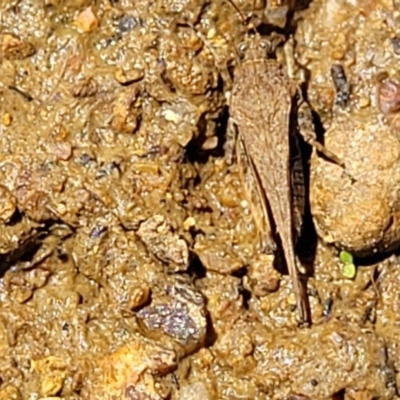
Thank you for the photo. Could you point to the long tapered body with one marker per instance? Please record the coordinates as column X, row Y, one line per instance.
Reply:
column 261, row 107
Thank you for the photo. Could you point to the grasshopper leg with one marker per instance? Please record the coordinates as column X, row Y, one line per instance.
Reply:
column 306, row 127
column 230, row 142
column 304, row 116
column 298, row 187
column 307, row 130
column 254, row 195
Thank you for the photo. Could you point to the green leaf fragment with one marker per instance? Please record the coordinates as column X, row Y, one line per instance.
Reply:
column 349, row 271
column 346, row 257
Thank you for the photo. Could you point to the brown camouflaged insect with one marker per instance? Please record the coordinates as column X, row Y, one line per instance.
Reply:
column 267, row 110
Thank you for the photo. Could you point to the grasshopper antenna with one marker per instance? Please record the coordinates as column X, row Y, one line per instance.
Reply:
column 234, row 5
column 251, row 26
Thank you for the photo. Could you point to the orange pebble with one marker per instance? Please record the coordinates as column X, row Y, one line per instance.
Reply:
column 87, row 20
column 7, row 119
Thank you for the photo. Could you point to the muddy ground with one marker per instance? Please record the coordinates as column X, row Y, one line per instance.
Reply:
column 129, row 256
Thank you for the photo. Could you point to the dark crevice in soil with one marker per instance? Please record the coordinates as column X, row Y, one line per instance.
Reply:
column 246, row 294
column 339, row 395
column 211, row 335
column 196, row 268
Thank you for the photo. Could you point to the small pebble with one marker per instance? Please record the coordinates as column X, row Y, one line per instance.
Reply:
column 171, row 116
column 7, row 119
column 341, row 84
column 211, row 33
column 210, row 143
column 61, row 150
column 244, row 204
column 364, row 102
column 86, row 20
column 132, row 75
column 15, row 48
column 396, row 44
column 52, row 384
column 128, row 23
column 389, row 96
column 189, row 223
column 8, row 204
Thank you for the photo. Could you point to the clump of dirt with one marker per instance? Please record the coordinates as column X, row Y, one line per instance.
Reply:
column 361, row 128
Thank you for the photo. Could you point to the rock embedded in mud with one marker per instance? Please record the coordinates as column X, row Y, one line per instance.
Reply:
column 52, row 398
column 129, row 76
column 34, row 203
column 8, row 204
column 159, row 238
column 387, row 313
column 132, row 393
column 181, row 117
column 396, row 44
column 388, row 96
column 10, row 392
column 276, row 12
column 87, row 20
column 131, row 295
column 179, row 314
column 323, row 360
column 130, row 371
column 52, row 371
column 357, row 34
column 128, row 23
column 217, row 257
column 126, row 110
column 14, row 48
column 362, row 217
column 194, row 391
column 341, row 84
column 262, row 277
column 235, row 348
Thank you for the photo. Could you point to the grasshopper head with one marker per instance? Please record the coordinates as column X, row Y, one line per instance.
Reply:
column 256, row 47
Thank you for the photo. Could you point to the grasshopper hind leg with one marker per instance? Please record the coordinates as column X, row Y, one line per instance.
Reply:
column 298, row 186
column 307, row 131
column 230, row 143
column 256, row 198
column 304, row 117
column 235, row 148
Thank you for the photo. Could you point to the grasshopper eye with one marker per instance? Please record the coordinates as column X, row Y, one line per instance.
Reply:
column 242, row 49
column 265, row 45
